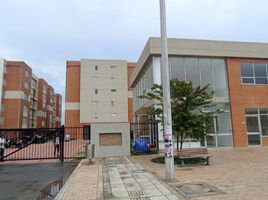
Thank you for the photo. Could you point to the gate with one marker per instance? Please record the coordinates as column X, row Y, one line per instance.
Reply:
column 44, row 143
column 148, row 131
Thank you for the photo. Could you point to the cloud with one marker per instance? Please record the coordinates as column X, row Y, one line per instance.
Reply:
column 46, row 33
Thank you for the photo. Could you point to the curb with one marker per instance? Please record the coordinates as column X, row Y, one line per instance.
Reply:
column 62, row 191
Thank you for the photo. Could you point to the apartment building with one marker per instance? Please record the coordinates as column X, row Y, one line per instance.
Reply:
column 97, row 91
column 24, row 98
column 237, row 72
column 100, row 90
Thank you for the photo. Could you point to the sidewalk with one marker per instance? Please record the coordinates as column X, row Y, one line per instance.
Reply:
column 115, row 178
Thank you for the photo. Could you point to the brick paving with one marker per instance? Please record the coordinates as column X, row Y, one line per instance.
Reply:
column 83, row 183
column 241, row 173
column 115, row 178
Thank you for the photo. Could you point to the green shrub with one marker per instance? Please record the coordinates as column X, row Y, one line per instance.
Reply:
column 177, row 160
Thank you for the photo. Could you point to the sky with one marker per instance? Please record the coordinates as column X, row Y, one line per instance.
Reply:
column 46, row 33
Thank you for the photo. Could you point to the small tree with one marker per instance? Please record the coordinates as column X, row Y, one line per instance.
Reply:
column 189, row 118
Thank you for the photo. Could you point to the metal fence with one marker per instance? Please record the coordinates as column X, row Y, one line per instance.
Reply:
column 44, row 143
column 148, row 131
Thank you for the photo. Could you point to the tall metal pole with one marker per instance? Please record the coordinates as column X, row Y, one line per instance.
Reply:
column 169, row 159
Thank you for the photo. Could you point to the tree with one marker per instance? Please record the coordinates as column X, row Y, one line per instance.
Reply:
column 188, row 106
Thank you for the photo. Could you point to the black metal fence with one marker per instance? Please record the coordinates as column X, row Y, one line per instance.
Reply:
column 44, row 143
column 147, row 131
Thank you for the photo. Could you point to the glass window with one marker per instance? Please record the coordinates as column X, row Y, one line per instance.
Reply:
column 224, row 140
column 263, row 111
column 96, row 91
column 113, row 90
column 176, row 68
column 223, row 123
column 246, row 69
column 211, row 141
column 157, row 70
column 192, row 71
column 25, row 109
column 264, row 124
column 26, row 85
column 252, row 124
column 254, row 139
column 27, row 74
column 26, row 96
column 96, row 115
column 205, row 67
column 219, row 73
column 96, row 67
column 260, row 69
column 260, row 80
column 248, row 80
column 251, row 111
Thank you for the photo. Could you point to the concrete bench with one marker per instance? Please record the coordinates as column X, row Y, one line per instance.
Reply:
column 193, row 153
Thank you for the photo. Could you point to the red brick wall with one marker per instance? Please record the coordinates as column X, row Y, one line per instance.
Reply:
column 243, row 96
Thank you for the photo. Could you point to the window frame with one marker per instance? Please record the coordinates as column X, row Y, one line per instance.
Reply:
column 254, row 77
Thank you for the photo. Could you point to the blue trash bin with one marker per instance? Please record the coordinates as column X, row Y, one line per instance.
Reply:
column 141, row 145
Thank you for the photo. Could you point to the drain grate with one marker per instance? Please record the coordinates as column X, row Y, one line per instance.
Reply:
column 130, row 184
column 197, row 189
column 138, row 170
column 140, row 198
column 136, row 193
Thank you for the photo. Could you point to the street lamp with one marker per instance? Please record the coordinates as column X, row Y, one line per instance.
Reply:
column 168, row 140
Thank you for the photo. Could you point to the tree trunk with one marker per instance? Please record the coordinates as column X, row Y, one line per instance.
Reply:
column 178, row 142
column 181, row 142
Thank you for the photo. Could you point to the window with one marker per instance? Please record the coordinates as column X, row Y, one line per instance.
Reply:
column 25, row 109
column 96, row 91
column 257, row 116
column 26, row 97
column 253, row 73
column 112, row 103
column 112, row 79
column 95, row 115
column 113, row 90
column 113, row 67
column 96, row 67
column 27, row 74
column 95, row 78
column 113, row 114
column 25, row 122
column 26, row 85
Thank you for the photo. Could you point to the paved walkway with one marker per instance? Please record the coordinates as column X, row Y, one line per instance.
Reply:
column 114, row 179
column 125, row 179
column 82, row 184
column 241, row 173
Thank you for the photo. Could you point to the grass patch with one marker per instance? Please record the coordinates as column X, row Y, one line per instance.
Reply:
column 177, row 160
column 144, row 153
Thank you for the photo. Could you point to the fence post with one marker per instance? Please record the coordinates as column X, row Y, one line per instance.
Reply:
column 62, row 143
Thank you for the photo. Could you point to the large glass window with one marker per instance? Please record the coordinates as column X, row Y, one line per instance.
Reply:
column 176, row 68
column 192, row 71
column 205, row 68
column 219, row 73
column 257, row 120
column 254, row 73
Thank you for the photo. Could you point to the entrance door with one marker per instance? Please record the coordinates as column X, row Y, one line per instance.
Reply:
column 253, row 130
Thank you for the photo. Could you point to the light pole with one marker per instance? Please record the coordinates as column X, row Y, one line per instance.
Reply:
column 168, row 140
